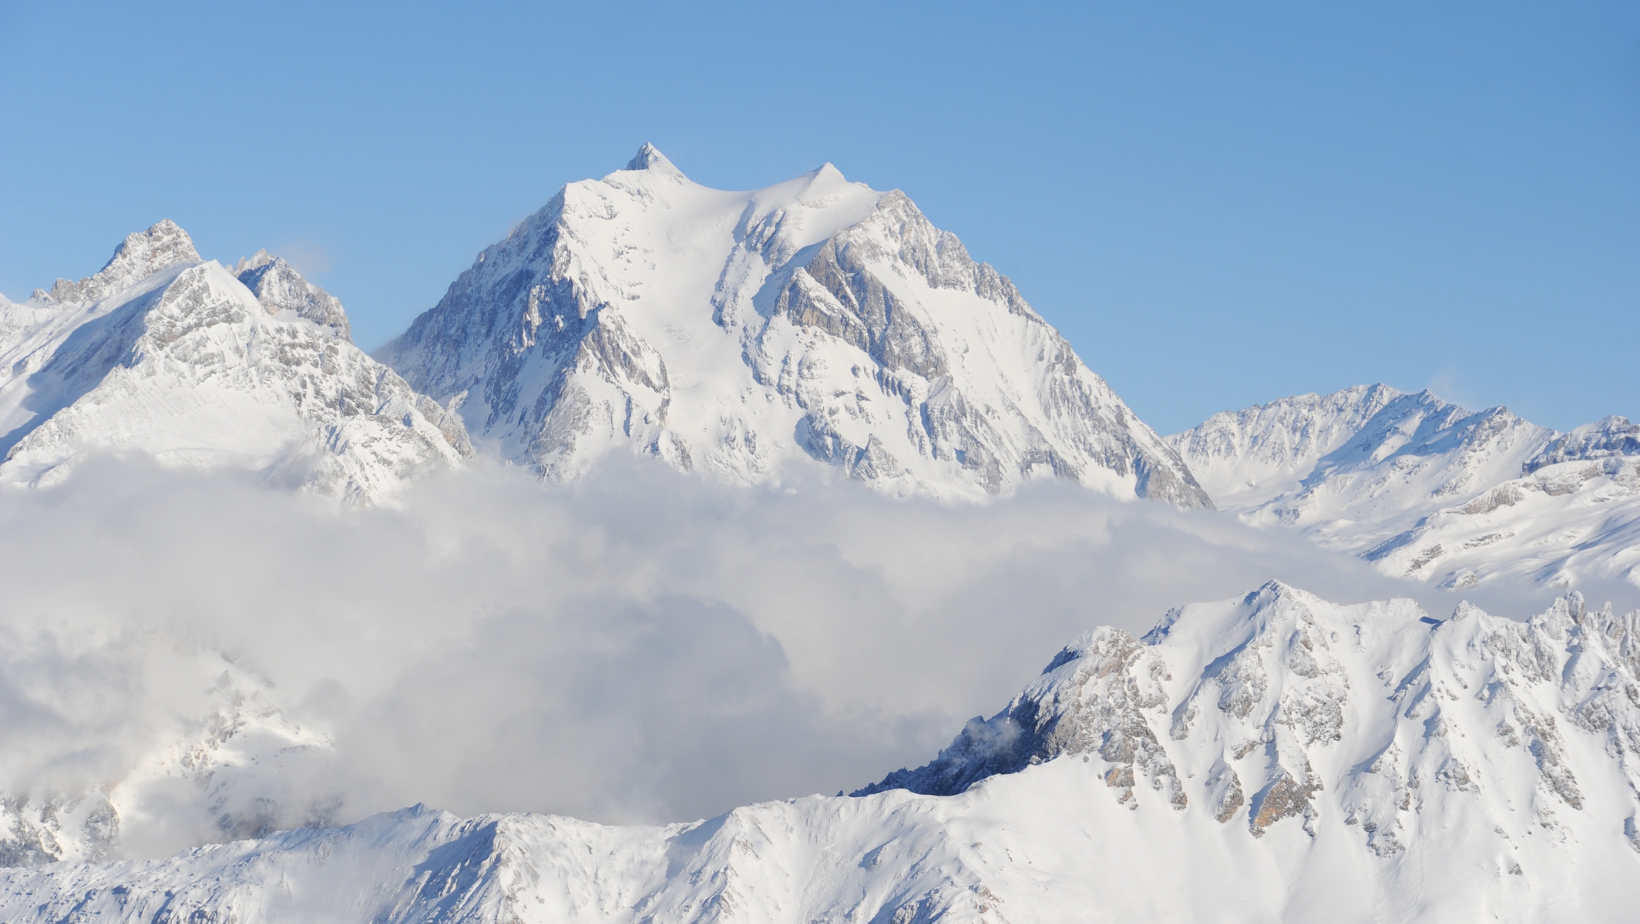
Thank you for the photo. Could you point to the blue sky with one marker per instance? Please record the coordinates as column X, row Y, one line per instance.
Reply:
column 1217, row 204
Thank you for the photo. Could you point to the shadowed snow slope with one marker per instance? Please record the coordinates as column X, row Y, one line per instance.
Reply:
column 1274, row 757
column 1428, row 490
column 739, row 333
column 162, row 354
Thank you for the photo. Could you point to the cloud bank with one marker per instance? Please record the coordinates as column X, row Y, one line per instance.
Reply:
column 639, row 647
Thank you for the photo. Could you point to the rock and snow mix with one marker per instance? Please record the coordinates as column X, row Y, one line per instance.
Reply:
column 1274, row 757
column 743, row 333
column 171, row 357
column 1428, row 490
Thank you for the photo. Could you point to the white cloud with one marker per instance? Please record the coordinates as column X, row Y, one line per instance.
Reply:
column 640, row 646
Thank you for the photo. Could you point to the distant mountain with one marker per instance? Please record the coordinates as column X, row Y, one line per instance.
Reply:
column 1269, row 758
column 816, row 324
column 222, row 773
column 1427, row 489
column 167, row 356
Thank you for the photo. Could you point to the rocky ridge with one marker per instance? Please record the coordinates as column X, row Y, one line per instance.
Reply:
column 178, row 359
column 1280, row 698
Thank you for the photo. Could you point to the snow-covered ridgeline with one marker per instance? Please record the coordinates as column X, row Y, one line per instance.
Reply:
column 1427, row 489
column 744, row 333
column 1274, row 757
column 168, row 356
column 1369, row 453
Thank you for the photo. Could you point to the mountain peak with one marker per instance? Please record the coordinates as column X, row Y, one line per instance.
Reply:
column 255, row 261
column 139, row 256
column 155, row 365
column 1273, row 590
column 889, row 398
column 1430, row 765
column 827, row 170
column 281, row 289
column 650, row 157
column 162, row 244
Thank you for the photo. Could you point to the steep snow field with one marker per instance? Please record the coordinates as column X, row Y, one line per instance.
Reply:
column 1273, row 757
column 167, row 356
column 743, row 333
column 1428, row 490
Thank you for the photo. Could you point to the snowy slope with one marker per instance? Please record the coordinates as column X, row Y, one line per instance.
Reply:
column 1274, row 757
column 747, row 333
column 1558, row 525
column 1429, row 490
column 171, row 357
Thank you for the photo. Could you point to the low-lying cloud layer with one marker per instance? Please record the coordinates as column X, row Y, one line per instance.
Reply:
column 638, row 647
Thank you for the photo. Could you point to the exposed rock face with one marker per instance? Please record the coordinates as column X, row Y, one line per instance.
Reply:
column 1285, row 798
column 1091, row 701
column 750, row 334
column 163, row 355
column 1428, row 490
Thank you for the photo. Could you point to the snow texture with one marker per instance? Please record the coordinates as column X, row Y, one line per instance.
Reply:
column 742, row 333
column 1274, row 757
column 1428, row 490
column 166, row 355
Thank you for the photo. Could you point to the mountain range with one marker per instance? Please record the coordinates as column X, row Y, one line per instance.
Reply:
column 1428, row 490
column 1270, row 757
column 816, row 327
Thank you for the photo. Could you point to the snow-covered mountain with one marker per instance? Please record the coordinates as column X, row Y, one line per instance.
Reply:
column 229, row 770
column 1427, row 489
column 179, row 359
column 1271, row 757
column 743, row 334
column 1274, row 757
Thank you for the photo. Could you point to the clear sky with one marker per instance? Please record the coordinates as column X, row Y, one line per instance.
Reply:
column 1218, row 204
